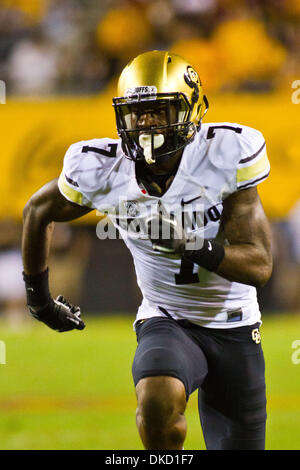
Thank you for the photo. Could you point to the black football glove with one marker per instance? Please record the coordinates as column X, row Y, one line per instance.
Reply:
column 166, row 237
column 59, row 315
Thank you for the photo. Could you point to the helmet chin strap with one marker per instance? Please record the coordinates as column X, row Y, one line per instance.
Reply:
column 145, row 141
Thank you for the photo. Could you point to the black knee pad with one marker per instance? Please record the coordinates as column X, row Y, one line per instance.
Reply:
column 164, row 349
column 158, row 361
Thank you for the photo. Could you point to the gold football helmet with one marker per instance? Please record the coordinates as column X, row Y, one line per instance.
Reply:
column 156, row 80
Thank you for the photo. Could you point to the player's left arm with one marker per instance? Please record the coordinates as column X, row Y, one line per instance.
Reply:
column 247, row 258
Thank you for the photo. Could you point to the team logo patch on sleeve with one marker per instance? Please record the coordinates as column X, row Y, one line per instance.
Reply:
column 72, row 182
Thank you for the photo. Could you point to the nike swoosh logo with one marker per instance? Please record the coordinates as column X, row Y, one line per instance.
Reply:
column 191, row 200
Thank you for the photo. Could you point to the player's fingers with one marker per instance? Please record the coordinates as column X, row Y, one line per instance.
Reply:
column 81, row 325
column 76, row 321
column 76, row 310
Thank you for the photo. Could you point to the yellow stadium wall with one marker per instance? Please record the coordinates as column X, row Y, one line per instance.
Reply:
column 35, row 136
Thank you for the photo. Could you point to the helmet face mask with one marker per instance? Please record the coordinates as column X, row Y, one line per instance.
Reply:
column 176, row 128
column 146, row 86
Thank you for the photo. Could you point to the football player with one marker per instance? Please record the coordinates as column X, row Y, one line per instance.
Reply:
column 183, row 196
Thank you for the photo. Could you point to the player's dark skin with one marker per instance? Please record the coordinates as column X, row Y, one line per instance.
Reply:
column 161, row 400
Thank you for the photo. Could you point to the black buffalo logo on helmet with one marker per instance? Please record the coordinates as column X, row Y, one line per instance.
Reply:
column 192, row 80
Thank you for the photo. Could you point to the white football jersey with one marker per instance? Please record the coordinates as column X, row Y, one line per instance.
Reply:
column 223, row 158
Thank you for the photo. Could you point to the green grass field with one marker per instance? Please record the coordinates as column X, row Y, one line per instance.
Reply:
column 75, row 390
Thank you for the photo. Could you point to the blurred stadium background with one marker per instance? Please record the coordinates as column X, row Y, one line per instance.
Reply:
column 59, row 60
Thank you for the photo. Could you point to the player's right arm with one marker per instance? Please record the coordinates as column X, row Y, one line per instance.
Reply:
column 44, row 208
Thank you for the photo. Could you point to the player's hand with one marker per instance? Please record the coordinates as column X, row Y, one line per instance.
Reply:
column 166, row 236
column 59, row 315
